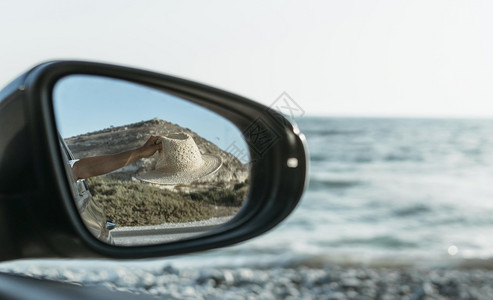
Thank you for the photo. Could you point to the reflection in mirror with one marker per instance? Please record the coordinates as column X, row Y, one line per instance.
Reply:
column 147, row 167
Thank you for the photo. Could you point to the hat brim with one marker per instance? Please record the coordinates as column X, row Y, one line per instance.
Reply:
column 211, row 164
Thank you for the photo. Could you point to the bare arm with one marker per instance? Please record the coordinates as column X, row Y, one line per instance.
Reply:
column 99, row 165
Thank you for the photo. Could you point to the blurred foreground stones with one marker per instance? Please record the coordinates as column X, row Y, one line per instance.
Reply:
column 331, row 282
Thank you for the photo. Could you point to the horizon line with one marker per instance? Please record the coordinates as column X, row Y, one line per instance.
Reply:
column 362, row 116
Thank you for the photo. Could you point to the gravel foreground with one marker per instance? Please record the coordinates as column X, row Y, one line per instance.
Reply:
column 331, row 282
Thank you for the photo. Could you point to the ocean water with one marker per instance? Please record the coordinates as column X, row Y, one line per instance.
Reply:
column 384, row 191
column 381, row 192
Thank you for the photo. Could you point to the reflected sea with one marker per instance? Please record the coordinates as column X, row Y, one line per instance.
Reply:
column 383, row 192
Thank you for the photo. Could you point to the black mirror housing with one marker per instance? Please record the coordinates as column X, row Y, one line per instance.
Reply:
column 38, row 217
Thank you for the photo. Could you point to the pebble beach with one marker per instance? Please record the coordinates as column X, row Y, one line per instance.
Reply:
column 330, row 282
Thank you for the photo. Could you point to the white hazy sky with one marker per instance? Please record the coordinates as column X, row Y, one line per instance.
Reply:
column 372, row 58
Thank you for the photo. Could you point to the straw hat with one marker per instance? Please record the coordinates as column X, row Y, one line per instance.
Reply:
column 180, row 162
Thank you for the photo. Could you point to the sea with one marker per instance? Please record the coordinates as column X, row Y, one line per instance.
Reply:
column 384, row 191
column 381, row 192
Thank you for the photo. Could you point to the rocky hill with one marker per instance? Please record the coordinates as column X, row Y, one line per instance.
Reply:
column 118, row 139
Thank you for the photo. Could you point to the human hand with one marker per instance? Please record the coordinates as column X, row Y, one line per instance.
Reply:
column 152, row 145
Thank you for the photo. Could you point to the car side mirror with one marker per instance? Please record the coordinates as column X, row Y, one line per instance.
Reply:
column 102, row 160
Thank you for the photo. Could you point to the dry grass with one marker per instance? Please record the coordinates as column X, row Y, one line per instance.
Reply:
column 134, row 204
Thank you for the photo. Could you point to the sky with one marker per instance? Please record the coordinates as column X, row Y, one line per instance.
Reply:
column 86, row 103
column 394, row 58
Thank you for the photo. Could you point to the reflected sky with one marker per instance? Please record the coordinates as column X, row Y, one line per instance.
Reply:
column 86, row 103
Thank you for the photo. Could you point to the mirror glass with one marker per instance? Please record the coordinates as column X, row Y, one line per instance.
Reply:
column 147, row 167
